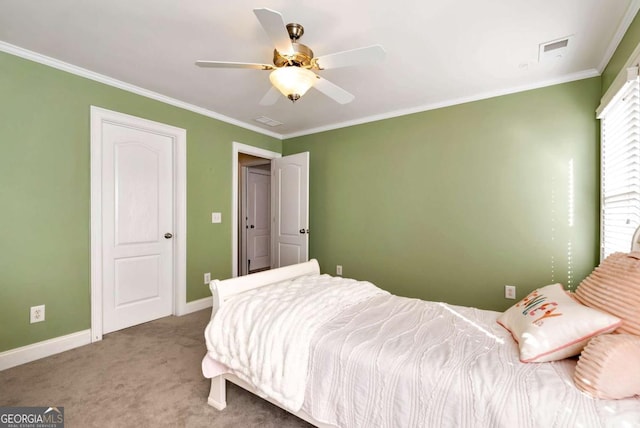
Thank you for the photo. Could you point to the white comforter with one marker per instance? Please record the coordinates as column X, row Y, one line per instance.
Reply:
column 264, row 336
column 359, row 357
column 397, row 362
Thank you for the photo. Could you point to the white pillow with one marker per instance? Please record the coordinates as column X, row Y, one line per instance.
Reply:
column 550, row 325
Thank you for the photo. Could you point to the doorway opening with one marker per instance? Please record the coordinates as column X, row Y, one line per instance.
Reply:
column 249, row 157
column 254, row 214
column 288, row 212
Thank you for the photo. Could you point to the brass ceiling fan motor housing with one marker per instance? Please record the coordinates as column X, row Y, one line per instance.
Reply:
column 302, row 55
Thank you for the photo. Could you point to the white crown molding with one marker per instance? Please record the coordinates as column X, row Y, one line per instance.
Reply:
column 426, row 107
column 632, row 10
column 83, row 72
column 35, row 351
column 70, row 68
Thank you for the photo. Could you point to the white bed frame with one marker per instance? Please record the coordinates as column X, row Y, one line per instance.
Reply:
column 222, row 291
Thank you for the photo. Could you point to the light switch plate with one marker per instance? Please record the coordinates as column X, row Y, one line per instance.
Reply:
column 216, row 217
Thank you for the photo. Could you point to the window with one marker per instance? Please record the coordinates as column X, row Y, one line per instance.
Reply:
column 620, row 171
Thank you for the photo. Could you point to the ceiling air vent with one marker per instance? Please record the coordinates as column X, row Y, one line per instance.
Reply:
column 555, row 49
column 269, row 122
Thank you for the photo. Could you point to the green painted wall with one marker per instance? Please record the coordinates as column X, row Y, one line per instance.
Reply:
column 449, row 204
column 44, row 193
column 622, row 53
column 452, row 204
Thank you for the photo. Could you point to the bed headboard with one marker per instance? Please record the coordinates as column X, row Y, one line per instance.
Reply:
column 635, row 242
column 222, row 290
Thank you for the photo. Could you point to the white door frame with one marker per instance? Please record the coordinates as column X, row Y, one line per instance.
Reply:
column 248, row 150
column 179, row 136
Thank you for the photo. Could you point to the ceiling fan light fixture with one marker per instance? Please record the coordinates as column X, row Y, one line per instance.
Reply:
column 292, row 72
column 293, row 82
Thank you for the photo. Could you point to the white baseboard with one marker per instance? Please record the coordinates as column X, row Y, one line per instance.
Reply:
column 35, row 351
column 196, row 305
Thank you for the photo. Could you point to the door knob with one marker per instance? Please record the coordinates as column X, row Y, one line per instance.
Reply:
column 168, row 235
column 252, row 227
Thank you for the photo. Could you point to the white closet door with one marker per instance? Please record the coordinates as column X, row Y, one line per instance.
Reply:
column 137, row 226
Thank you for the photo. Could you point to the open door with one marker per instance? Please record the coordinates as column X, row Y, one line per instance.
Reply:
column 290, row 210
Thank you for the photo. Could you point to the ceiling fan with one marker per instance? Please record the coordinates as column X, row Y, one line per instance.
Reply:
column 293, row 62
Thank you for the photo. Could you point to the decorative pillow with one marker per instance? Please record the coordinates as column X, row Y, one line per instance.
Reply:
column 550, row 325
column 608, row 367
column 614, row 287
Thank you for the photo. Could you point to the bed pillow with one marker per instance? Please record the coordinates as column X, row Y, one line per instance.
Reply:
column 608, row 367
column 550, row 325
column 614, row 287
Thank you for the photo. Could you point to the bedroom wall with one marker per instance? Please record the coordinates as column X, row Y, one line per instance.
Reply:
column 44, row 192
column 454, row 203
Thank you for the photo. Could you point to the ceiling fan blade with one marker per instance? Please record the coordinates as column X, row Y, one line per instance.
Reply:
column 367, row 55
column 226, row 64
column 333, row 91
column 270, row 97
column 276, row 29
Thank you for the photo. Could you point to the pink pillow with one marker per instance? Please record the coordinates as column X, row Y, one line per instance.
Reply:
column 550, row 325
column 614, row 287
column 609, row 367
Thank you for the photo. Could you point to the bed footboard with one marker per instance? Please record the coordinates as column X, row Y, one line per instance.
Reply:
column 223, row 290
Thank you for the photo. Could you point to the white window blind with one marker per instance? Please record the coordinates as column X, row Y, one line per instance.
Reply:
column 621, row 169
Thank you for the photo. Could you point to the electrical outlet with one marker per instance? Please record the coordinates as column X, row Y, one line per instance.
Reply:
column 509, row 291
column 339, row 270
column 37, row 314
column 207, row 278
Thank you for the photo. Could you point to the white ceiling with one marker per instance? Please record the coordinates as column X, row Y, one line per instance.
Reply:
column 438, row 52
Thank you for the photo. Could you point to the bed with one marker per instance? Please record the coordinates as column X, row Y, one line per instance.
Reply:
column 365, row 357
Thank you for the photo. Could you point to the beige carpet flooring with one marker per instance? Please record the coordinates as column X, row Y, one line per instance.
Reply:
column 144, row 376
